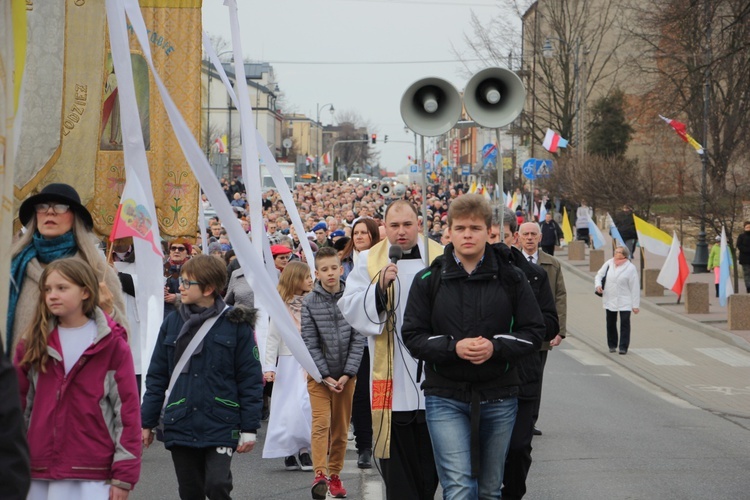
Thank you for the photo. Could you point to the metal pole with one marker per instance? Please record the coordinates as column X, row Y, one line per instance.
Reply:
column 700, row 262
column 499, row 164
column 424, row 206
column 317, row 153
column 333, row 162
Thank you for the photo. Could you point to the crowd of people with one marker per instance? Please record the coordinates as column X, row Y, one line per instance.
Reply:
column 433, row 349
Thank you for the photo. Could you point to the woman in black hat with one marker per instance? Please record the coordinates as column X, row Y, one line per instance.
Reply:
column 57, row 226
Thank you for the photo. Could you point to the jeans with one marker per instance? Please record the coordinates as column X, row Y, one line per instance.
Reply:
column 624, row 329
column 746, row 276
column 450, row 431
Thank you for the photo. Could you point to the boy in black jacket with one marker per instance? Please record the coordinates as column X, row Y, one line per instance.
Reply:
column 469, row 331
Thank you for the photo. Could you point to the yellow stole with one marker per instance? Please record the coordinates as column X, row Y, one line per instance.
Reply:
column 382, row 366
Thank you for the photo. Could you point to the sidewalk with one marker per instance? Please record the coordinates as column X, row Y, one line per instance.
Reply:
column 689, row 356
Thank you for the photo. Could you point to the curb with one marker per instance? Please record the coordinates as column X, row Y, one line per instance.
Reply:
column 680, row 319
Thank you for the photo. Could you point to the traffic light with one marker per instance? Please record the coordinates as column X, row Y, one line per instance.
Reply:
column 385, row 140
column 374, row 138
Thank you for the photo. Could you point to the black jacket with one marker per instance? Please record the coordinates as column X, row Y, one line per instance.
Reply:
column 530, row 367
column 15, row 475
column 495, row 302
column 551, row 233
column 626, row 225
column 743, row 247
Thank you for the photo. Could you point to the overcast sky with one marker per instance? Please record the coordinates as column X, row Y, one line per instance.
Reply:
column 302, row 38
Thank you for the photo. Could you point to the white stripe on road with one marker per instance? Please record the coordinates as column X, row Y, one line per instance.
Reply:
column 660, row 357
column 373, row 490
column 727, row 355
column 588, row 358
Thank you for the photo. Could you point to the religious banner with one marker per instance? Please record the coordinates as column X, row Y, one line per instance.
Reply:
column 71, row 117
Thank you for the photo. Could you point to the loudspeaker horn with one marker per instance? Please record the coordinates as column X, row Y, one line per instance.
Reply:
column 373, row 186
column 384, row 190
column 431, row 106
column 399, row 190
column 494, row 97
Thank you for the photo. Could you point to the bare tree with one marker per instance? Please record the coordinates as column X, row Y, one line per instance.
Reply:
column 353, row 155
column 697, row 55
column 582, row 39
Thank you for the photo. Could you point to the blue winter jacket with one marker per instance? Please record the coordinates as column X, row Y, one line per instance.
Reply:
column 219, row 396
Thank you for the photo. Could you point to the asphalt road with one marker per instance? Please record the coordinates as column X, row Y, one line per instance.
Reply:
column 608, row 434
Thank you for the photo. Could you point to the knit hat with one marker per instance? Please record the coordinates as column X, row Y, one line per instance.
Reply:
column 319, row 226
column 213, row 247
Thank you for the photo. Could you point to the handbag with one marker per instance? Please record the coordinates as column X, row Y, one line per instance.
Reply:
column 189, row 350
column 604, row 281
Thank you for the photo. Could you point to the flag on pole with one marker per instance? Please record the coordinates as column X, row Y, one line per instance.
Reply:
column 327, row 158
column 553, row 141
column 536, row 213
column 473, row 188
column 597, row 238
column 652, row 238
column 566, row 227
column 614, row 232
column 725, row 263
column 133, row 217
column 681, row 130
column 542, row 211
column 675, row 271
column 508, row 200
column 220, row 146
column 309, row 161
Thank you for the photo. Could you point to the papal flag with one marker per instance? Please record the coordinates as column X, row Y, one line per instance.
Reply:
column 681, row 130
column 651, row 238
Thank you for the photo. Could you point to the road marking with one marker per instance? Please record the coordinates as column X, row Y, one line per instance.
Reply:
column 726, row 391
column 588, row 358
column 726, row 355
column 661, row 357
column 373, row 490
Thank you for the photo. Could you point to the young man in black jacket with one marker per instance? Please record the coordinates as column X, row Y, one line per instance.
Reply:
column 469, row 330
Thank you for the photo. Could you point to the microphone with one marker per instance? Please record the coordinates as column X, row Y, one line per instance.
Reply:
column 395, row 253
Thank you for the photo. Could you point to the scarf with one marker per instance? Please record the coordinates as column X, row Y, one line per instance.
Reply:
column 194, row 316
column 45, row 251
column 295, row 309
column 382, row 366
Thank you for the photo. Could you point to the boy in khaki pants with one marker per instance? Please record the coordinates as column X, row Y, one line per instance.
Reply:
column 337, row 351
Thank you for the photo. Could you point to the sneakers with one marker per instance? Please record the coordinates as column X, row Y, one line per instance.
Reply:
column 335, row 487
column 305, row 461
column 364, row 459
column 320, row 486
column 290, row 463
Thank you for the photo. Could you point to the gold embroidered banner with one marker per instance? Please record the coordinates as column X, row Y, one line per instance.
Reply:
column 71, row 130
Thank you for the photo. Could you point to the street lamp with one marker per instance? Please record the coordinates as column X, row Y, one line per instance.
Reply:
column 320, row 134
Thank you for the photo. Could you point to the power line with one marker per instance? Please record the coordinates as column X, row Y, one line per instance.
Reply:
column 353, row 63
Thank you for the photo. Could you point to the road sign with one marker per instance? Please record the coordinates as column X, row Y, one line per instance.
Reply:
column 465, row 169
column 543, row 168
column 529, row 169
column 489, row 154
column 414, row 169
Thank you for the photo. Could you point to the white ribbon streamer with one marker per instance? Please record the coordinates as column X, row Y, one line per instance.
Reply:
column 148, row 265
column 270, row 162
column 248, row 256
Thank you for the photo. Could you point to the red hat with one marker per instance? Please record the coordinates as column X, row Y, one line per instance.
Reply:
column 280, row 250
column 183, row 241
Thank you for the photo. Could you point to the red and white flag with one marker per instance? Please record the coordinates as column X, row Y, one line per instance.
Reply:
column 133, row 217
column 675, row 271
column 553, row 141
column 327, row 158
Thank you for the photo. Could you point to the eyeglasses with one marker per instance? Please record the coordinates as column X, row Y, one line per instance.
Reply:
column 59, row 208
column 177, row 249
column 184, row 283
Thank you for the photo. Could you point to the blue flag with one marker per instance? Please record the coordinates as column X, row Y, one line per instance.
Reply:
column 597, row 238
column 614, row 232
column 725, row 263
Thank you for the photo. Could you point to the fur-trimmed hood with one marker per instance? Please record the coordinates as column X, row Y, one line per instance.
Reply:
column 243, row 314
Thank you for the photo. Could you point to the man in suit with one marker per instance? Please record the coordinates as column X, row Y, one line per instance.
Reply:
column 528, row 237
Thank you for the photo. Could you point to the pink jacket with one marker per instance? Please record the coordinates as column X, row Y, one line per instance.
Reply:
column 87, row 424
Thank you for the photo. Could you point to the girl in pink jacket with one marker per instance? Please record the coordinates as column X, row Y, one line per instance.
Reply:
column 78, row 392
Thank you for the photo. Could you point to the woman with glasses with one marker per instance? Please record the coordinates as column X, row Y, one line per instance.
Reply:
column 617, row 281
column 180, row 250
column 57, row 225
